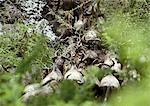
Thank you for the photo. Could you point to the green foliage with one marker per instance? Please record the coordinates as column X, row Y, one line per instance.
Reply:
column 131, row 41
column 18, row 46
column 93, row 71
column 20, row 52
column 137, row 9
column 10, row 90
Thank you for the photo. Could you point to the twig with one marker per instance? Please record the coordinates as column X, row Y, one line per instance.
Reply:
column 80, row 5
column 62, row 21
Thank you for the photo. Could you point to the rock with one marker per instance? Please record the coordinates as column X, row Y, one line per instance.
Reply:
column 111, row 62
column 79, row 24
column 43, row 27
column 110, row 81
column 32, row 8
column 91, row 35
column 32, row 11
column 32, row 87
column 35, row 89
column 117, row 66
column 56, row 74
column 2, row 1
column 74, row 74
